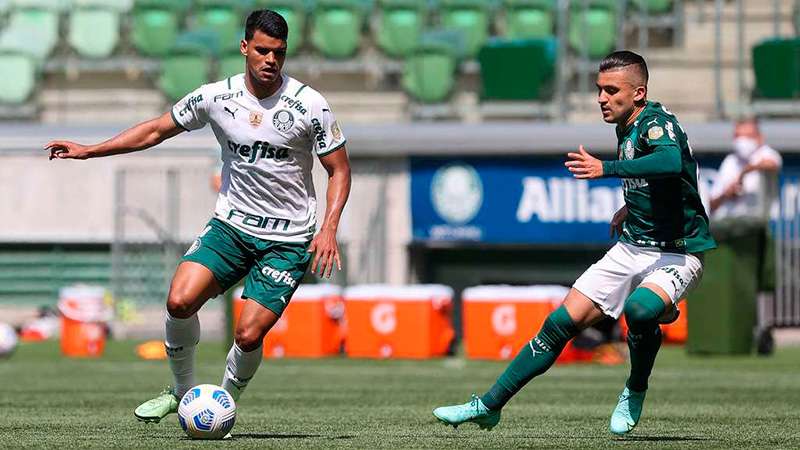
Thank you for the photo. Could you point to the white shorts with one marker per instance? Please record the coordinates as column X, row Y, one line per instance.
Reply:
column 611, row 280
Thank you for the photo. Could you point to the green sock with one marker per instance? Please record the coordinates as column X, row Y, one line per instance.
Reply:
column 642, row 310
column 532, row 360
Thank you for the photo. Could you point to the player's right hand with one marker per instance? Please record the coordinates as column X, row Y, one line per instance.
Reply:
column 66, row 150
column 617, row 220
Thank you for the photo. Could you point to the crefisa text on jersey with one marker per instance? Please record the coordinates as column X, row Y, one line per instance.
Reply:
column 259, row 149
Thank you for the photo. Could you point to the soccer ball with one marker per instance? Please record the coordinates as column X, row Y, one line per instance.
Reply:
column 207, row 411
column 8, row 340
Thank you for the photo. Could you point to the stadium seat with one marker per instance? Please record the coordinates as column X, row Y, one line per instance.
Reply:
column 471, row 17
column 593, row 30
column 429, row 72
column 188, row 66
column 155, row 25
column 230, row 64
column 520, row 70
column 399, row 26
column 18, row 72
column 223, row 17
column 776, row 64
column 336, row 27
column 94, row 26
column 526, row 19
column 35, row 23
column 295, row 13
column 653, row 6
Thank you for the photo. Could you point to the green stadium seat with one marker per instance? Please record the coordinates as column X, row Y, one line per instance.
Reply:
column 399, row 26
column 230, row 64
column 429, row 72
column 188, row 66
column 653, row 6
column 336, row 27
column 18, row 72
column 776, row 65
column 223, row 17
column 295, row 12
column 471, row 17
column 525, row 19
column 36, row 26
column 94, row 27
column 155, row 25
column 593, row 30
column 518, row 69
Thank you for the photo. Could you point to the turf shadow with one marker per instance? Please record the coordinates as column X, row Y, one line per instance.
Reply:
column 286, row 436
column 662, row 438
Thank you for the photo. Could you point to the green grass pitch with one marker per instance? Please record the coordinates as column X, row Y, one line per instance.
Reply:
column 722, row 402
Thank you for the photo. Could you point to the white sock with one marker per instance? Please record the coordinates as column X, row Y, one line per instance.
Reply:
column 240, row 369
column 182, row 337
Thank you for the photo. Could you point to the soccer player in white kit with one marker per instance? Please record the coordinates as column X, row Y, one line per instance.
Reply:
column 269, row 126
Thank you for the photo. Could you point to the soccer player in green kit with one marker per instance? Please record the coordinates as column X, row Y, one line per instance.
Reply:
column 663, row 232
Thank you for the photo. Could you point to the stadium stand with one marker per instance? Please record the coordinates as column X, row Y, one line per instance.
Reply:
column 529, row 18
column 373, row 47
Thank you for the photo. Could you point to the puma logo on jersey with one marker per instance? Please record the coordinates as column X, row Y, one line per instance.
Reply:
column 232, row 113
column 258, row 149
column 280, row 276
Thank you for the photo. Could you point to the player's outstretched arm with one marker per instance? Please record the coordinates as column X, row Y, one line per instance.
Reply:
column 663, row 162
column 139, row 137
column 324, row 245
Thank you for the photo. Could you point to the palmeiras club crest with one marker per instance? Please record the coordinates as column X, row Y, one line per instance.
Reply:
column 283, row 120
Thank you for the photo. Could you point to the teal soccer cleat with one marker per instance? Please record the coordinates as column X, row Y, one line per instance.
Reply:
column 627, row 413
column 474, row 411
column 157, row 408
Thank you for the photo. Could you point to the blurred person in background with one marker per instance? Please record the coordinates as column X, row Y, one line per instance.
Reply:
column 742, row 196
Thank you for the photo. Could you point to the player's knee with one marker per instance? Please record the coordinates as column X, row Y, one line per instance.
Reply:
column 248, row 339
column 643, row 306
column 181, row 304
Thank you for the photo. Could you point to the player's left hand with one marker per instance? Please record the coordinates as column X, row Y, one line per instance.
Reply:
column 583, row 165
column 326, row 252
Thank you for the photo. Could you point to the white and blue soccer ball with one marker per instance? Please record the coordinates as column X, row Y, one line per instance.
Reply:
column 207, row 411
column 8, row 340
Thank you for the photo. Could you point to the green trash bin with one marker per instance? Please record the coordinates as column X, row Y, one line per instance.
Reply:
column 776, row 64
column 722, row 310
column 517, row 69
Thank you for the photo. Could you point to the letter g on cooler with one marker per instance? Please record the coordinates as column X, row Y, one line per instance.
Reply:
column 384, row 318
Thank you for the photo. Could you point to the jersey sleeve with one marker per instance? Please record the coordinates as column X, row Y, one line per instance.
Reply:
column 662, row 153
column 659, row 133
column 191, row 112
column 325, row 134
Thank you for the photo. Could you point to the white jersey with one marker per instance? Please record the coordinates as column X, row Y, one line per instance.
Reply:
column 268, row 148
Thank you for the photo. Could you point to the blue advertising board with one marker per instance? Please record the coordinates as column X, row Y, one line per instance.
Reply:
column 528, row 200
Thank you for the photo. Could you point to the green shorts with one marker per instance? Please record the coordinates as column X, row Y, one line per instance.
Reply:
column 273, row 269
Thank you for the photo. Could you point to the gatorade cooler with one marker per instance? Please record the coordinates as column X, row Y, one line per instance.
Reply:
column 499, row 320
column 398, row 321
column 309, row 328
column 675, row 333
column 84, row 313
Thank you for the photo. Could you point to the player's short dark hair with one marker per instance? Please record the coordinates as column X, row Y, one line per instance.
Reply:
column 625, row 58
column 268, row 22
column 749, row 120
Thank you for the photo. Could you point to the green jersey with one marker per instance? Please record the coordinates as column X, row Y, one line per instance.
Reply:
column 659, row 179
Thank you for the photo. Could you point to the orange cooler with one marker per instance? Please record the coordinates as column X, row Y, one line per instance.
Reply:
column 84, row 313
column 398, row 321
column 310, row 326
column 499, row 320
